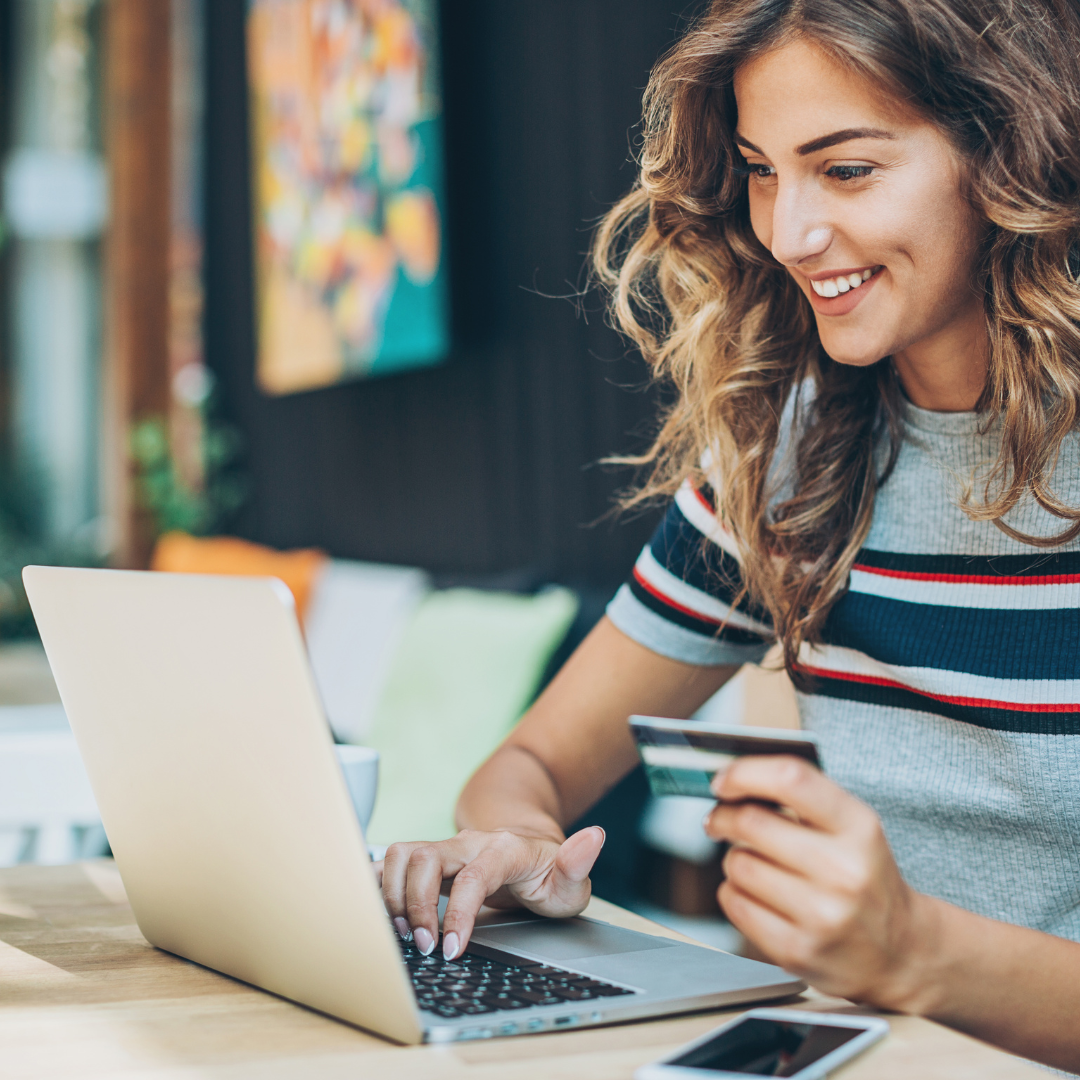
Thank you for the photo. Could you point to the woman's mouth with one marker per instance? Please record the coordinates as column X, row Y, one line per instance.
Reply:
column 841, row 293
column 834, row 286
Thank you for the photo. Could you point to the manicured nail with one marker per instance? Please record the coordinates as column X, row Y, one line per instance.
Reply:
column 424, row 941
column 402, row 927
column 603, row 834
column 450, row 945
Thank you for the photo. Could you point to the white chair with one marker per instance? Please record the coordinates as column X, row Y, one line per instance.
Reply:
column 47, row 810
column 356, row 617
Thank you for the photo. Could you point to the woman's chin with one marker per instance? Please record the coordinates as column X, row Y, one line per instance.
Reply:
column 854, row 355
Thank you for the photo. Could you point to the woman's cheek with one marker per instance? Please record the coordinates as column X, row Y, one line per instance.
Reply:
column 761, row 217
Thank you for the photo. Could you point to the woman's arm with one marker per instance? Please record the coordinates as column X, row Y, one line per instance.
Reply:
column 823, row 897
column 574, row 743
column 569, row 748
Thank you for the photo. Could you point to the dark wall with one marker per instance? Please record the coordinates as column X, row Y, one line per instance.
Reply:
column 487, row 463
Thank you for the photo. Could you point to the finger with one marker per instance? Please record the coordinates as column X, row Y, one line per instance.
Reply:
column 454, row 854
column 394, row 869
column 570, row 887
column 770, row 834
column 423, row 886
column 791, row 782
column 769, row 931
column 472, row 886
column 561, row 887
column 780, row 890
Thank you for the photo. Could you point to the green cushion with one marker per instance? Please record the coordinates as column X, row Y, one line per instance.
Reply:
column 467, row 668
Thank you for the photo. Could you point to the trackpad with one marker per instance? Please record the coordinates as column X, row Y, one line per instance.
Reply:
column 567, row 939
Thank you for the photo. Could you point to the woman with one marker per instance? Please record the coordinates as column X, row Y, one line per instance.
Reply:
column 852, row 250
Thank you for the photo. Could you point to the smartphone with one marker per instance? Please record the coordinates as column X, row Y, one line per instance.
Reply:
column 681, row 757
column 771, row 1042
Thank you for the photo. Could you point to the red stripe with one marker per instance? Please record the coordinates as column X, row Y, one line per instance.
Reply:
column 979, row 703
column 650, row 588
column 704, row 501
column 963, row 579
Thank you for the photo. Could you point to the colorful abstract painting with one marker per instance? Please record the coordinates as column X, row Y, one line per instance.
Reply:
column 347, row 166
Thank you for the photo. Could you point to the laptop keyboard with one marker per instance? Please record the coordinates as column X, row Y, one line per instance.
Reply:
column 470, row 984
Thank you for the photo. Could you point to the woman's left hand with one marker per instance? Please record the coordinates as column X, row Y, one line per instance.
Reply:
column 821, row 895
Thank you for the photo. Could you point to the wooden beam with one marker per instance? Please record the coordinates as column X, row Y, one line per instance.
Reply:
column 136, row 356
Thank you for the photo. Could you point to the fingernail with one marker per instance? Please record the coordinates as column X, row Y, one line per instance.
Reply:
column 424, row 941
column 450, row 945
column 402, row 927
column 603, row 835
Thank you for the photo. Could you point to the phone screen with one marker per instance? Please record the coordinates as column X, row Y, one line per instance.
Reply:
column 762, row 1047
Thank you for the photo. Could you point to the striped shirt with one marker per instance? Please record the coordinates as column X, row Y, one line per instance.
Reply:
column 946, row 689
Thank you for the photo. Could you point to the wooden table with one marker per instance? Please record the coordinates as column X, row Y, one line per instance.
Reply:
column 82, row 994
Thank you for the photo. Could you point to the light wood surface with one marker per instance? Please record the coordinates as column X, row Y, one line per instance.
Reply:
column 82, row 994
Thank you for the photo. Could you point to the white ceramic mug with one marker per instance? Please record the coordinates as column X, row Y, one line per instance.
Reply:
column 360, row 764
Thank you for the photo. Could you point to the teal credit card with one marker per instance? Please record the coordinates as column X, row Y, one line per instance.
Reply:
column 681, row 757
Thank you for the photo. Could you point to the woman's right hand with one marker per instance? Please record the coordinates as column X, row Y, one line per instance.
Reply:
column 503, row 869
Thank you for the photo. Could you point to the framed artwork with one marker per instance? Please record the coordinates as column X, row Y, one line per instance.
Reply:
column 347, row 175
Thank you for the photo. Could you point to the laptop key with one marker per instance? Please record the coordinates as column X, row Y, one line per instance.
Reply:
column 537, row 998
column 497, row 1001
column 472, row 985
column 574, row 993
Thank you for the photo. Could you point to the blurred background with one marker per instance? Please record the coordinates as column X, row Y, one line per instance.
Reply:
column 309, row 274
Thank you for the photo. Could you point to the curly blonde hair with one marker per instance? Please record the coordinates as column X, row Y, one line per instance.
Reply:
column 717, row 316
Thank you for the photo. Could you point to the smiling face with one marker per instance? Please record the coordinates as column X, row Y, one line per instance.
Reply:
column 861, row 199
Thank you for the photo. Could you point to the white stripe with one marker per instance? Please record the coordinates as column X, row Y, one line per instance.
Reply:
column 703, row 519
column 685, row 757
column 834, row 658
column 967, row 594
column 700, row 603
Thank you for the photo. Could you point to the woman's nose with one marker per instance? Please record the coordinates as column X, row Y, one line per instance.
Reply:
column 800, row 230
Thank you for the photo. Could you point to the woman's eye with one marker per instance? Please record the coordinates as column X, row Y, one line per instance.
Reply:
column 761, row 172
column 850, row 172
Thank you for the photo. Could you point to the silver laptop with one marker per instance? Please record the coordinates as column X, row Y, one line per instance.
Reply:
column 213, row 766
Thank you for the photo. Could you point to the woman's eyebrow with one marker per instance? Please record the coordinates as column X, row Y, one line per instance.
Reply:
column 847, row 135
column 825, row 141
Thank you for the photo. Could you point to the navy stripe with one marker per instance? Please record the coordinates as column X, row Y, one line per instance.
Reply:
column 707, row 629
column 1033, row 565
column 999, row 644
column 1058, row 723
column 680, row 548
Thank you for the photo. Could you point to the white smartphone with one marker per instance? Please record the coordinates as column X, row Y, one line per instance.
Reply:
column 770, row 1042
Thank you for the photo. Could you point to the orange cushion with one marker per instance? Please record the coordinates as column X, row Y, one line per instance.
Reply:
column 179, row 553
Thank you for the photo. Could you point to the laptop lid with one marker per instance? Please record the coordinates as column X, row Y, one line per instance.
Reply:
column 213, row 767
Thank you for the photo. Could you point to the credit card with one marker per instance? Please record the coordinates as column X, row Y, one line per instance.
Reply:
column 682, row 757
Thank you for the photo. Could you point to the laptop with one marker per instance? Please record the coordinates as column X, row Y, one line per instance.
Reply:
column 213, row 766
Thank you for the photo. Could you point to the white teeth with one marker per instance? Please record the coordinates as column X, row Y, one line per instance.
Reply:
column 835, row 286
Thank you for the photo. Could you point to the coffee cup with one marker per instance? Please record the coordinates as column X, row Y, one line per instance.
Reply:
column 360, row 765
